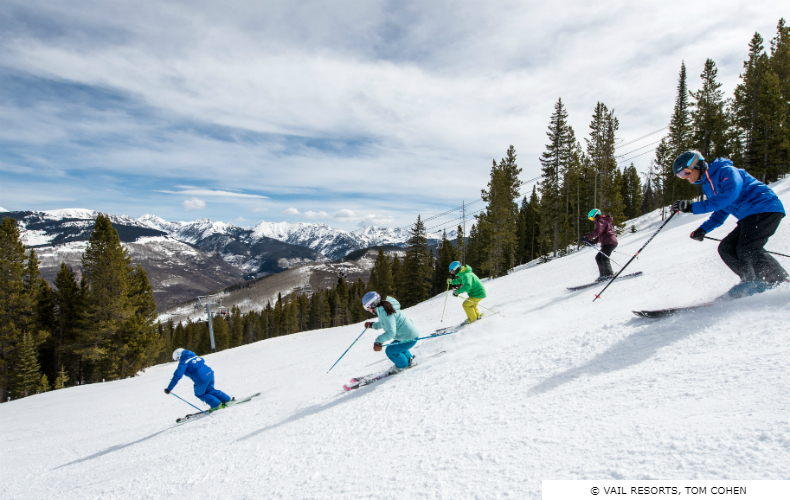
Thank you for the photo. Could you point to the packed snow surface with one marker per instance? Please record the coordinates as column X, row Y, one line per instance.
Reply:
column 555, row 386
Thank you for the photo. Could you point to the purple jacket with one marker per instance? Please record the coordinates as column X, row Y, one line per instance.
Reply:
column 603, row 232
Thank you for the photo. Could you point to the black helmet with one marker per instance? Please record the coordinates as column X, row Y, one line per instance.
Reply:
column 689, row 160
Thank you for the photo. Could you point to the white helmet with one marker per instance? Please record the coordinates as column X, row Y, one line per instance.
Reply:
column 177, row 354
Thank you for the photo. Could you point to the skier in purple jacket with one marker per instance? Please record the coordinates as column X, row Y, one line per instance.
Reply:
column 603, row 234
column 732, row 191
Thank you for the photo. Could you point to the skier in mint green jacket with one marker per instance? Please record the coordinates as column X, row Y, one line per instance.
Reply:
column 396, row 327
column 468, row 282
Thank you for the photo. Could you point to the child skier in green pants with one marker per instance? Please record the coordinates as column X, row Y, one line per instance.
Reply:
column 467, row 281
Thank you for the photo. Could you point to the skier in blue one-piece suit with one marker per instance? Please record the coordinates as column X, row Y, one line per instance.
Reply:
column 194, row 367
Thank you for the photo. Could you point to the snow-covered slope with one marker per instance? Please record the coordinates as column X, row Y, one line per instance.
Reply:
column 554, row 386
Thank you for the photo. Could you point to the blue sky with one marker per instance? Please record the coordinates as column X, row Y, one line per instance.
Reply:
column 348, row 112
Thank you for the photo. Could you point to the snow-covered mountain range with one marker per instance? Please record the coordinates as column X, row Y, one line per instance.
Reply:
column 185, row 259
column 333, row 243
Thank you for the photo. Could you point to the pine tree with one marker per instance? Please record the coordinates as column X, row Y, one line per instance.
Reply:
column 29, row 371
column 62, row 379
column 441, row 271
column 632, row 192
column 16, row 304
column 771, row 133
column 304, row 312
column 397, row 277
column 678, row 140
column 381, row 275
column 746, row 96
column 237, row 327
column 142, row 342
column 616, row 204
column 680, row 127
column 117, row 337
column 460, row 244
column 500, row 216
column 780, row 60
column 600, row 151
column 708, row 118
column 43, row 385
column 417, row 266
column 555, row 160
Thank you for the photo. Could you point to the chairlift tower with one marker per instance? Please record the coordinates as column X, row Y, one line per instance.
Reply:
column 207, row 301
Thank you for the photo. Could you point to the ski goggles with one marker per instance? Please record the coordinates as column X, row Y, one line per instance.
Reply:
column 692, row 163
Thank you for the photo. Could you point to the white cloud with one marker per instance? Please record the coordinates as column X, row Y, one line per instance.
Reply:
column 278, row 98
column 240, row 220
column 260, row 209
column 193, row 204
column 211, row 192
column 316, row 215
column 291, row 211
column 375, row 220
column 345, row 214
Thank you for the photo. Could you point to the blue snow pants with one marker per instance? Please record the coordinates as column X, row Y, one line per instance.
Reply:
column 399, row 353
column 205, row 392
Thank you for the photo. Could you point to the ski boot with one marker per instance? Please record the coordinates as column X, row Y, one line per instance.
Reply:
column 749, row 288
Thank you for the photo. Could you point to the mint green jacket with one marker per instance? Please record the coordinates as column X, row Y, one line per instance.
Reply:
column 470, row 283
column 396, row 326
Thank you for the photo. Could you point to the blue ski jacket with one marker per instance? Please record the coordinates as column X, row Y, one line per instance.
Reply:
column 193, row 367
column 396, row 326
column 732, row 191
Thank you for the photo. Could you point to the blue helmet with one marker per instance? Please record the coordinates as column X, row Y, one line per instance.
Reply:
column 689, row 161
column 455, row 266
column 371, row 300
column 593, row 214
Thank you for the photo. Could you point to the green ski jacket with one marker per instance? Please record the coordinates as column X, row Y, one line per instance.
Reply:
column 470, row 283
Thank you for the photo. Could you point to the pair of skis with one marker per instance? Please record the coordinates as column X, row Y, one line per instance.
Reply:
column 588, row 285
column 194, row 416
column 357, row 382
column 656, row 313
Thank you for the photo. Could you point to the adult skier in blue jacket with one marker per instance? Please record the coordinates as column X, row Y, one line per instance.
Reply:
column 732, row 191
column 194, row 367
column 396, row 327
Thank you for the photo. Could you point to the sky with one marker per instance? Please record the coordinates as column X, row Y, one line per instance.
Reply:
column 349, row 113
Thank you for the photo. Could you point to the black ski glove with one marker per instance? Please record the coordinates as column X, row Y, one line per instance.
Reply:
column 167, row 391
column 682, row 206
column 698, row 234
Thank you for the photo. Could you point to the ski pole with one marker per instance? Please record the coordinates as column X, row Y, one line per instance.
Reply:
column 349, row 347
column 598, row 295
column 445, row 301
column 484, row 307
column 774, row 253
column 600, row 252
column 190, row 404
column 421, row 338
